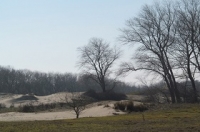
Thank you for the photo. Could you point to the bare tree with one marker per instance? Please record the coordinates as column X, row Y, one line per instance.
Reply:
column 188, row 40
column 97, row 59
column 77, row 103
column 153, row 31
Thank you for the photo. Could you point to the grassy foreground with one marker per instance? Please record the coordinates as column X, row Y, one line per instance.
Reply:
column 174, row 118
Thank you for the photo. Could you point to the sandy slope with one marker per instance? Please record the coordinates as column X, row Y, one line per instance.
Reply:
column 92, row 110
column 17, row 99
column 96, row 111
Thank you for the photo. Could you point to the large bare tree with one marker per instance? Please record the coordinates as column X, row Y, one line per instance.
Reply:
column 188, row 40
column 153, row 32
column 97, row 59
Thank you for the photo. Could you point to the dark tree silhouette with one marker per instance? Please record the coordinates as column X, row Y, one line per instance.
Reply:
column 154, row 33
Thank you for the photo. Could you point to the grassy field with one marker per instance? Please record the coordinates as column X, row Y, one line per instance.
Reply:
column 176, row 118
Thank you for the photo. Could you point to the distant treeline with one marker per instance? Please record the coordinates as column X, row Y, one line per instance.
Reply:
column 25, row 82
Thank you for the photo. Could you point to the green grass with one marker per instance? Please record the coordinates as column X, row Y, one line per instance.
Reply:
column 174, row 118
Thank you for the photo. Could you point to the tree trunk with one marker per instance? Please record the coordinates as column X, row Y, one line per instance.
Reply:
column 172, row 79
column 103, row 85
column 176, row 91
column 173, row 100
column 195, row 98
column 77, row 115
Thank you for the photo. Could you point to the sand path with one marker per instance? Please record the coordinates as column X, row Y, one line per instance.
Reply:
column 96, row 111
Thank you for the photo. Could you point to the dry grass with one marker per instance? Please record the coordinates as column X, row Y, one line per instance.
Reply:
column 164, row 118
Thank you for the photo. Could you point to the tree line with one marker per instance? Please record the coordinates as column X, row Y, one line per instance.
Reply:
column 38, row 83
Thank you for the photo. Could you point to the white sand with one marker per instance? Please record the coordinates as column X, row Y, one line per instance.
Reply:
column 92, row 110
column 97, row 111
column 9, row 99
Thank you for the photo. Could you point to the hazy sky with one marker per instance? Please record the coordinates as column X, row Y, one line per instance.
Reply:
column 43, row 35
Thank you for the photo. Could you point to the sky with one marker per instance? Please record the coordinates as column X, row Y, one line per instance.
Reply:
column 43, row 35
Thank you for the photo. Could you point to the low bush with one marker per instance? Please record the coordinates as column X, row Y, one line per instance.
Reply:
column 129, row 106
column 140, row 108
column 120, row 106
column 91, row 93
column 2, row 106
column 27, row 108
column 41, row 107
column 63, row 104
column 106, row 105
column 12, row 106
column 109, row 95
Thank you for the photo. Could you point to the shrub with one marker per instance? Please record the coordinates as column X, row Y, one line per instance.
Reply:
column 12, row 106
column 27, row 108
column 111, row 96
column 106, row 105
column 78, row 103
column 129, row 106
column 62, row 104
column 140, row 108
column 35, row 108
column 2, row 106
column 91, row 93
column 41, row 107
column 105, row 96
column 120, row 106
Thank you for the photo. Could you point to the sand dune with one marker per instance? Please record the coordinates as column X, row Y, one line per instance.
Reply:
column 19, row 99
column 93, row 110
column 97, row 111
